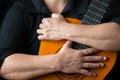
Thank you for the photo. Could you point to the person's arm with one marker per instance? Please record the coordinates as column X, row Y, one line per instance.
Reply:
column 101, row 36
column 21, row 66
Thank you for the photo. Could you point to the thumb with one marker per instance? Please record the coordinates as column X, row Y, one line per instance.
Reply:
column 55, row 15
column 68, row 44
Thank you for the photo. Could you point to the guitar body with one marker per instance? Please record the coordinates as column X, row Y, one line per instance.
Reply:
column 52, row 47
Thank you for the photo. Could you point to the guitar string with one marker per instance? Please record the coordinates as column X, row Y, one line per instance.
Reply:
column 98, row 11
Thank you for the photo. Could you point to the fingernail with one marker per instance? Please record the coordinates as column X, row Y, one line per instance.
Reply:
column 94, row 75
column 105, row 58
column 102, row 65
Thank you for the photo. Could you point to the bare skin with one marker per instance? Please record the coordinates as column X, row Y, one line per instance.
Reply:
column 21, row 66
column 55, row 6
column 101, row 36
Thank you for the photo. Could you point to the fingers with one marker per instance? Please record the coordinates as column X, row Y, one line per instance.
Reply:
column 86, row 66
column 68, row 44
column 46, row 20
column 89, row 51
column 86, row 72
column 39, row 32
column 92, row 65
column 54, row 15
column 41, row 37
column 94, row 58
column 59, row 17
column 42, row 26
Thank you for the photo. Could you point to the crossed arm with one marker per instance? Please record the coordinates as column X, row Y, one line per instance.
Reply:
column 101, row 36
column 20, row 66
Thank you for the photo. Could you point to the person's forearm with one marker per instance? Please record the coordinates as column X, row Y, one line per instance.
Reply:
column 22, row 67
column 103, row 36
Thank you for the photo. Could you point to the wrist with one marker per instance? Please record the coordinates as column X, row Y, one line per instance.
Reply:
column 65, row 30
column 57, row 62
column 70, row 31
column 54, row 61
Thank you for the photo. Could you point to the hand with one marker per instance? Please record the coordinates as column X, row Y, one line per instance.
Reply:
column 76, row 61
column 52, row 28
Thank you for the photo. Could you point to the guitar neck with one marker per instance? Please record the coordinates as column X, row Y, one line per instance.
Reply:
column 94, row 15
column 95, row 12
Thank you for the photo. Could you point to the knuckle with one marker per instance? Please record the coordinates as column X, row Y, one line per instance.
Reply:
column 47, row 35
column 100, row 58
column 88, row 73
column 84, row 72
column 80, row 52
column 41, row 25
column 90, row 58
column 77, row 53
column 98, row 65
column 89, row 65
column 46, row 30
column 89, row 50
column 43, row 19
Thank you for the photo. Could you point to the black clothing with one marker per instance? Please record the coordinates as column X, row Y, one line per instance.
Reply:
column 18, row 32
column 4, row 7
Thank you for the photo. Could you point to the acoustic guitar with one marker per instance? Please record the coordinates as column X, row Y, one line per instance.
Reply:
column 52, row 47
column 93, row 16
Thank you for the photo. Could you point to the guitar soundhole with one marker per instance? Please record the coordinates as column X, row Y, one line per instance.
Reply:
column 67, row 76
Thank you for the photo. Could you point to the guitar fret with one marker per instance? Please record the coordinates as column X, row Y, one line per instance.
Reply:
column 93, row 20
column 99, row 12
column 104, row 1
column 92, row 12
column 93, row 16
column 100, row 4
column 97, row 8
column 85, row 22
column 89, row 23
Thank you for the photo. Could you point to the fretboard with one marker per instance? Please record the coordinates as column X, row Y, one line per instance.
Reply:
column 94, row 15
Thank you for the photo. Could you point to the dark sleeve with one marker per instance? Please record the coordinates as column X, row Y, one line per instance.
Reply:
column 13, row 34
column 4, row 6
column 113, row 12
